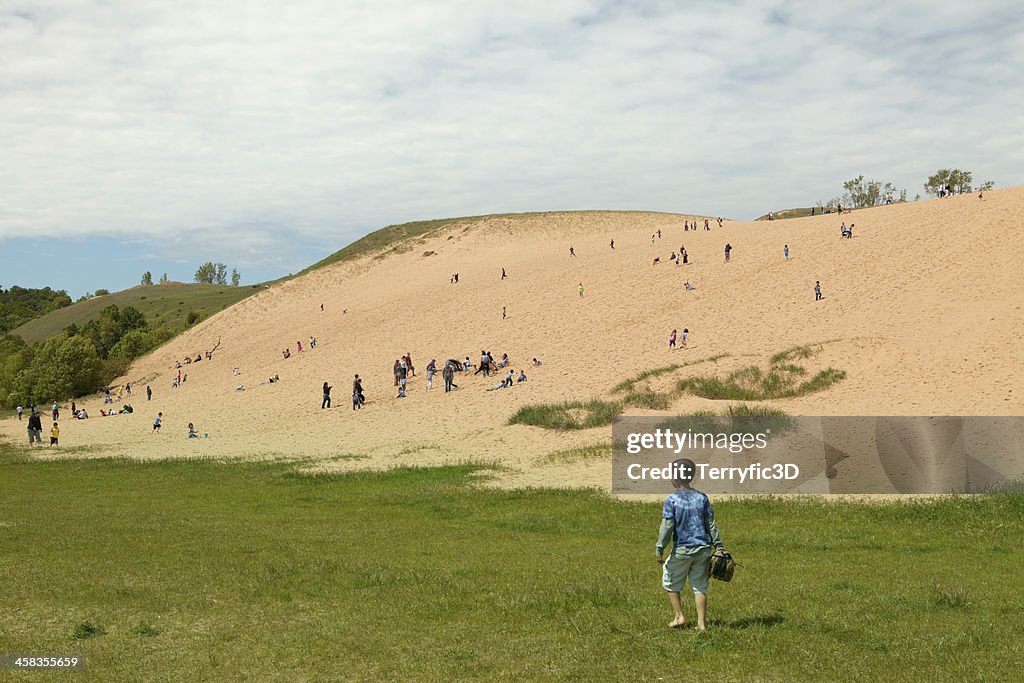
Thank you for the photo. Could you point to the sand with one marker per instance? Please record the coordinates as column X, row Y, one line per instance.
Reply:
column 922, row 309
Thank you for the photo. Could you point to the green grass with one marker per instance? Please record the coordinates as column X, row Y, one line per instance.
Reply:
column 596, row 451
column 628, row 385
column 781, row 379
column 200, row 570
column 167, row 304
column 569, row 415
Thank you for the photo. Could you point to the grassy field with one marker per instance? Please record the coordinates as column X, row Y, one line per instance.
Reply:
column 161, row 304
column 198, row 570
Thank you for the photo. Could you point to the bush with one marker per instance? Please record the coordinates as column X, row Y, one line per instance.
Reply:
column 88, row 629
column 102, row 292
column 192, row 318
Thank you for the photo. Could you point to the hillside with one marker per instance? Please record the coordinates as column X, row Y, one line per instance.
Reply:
column 161, row 304
column 916, row 326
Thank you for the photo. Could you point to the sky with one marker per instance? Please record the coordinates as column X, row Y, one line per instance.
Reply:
column 147, row 135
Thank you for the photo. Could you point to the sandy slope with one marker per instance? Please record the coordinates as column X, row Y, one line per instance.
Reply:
column 925, row 302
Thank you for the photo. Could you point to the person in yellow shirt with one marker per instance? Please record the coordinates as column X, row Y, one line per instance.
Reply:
column 54, row 434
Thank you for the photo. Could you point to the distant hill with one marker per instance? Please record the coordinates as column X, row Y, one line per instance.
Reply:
column 19, row 305
column 166, row 304
column 791, row 213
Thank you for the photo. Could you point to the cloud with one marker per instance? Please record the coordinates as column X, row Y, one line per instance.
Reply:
column 247, row 126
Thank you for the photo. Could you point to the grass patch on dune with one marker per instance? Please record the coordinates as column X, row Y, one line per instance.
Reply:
column 569, row 415
column 597, row 451
column 781, row 379
column 629, row 384
column 199, row 570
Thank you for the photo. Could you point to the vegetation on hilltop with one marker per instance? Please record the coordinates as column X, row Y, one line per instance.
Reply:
column 18, row 305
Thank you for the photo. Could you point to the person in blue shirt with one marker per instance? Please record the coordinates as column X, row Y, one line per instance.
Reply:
column 688, row 529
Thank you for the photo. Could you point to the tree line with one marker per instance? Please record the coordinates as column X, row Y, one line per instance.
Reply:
column 209, row 273
column 18, row 305
column 860, row 193
column 80, row 360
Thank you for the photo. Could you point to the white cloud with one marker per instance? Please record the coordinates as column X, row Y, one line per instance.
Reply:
column 251, row 124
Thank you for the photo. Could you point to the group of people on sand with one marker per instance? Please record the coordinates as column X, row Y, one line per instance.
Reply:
column 286, row 353
column 35, row 429
column 674, row 337
column 358, row 397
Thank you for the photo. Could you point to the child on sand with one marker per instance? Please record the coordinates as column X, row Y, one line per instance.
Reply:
column 54, row 434
column 156, row 423
column 817, row 290
column 581, row 290
column 357, row 393
column 672, row 340
column 728, row 251
column 326, row 402
column 689, row 287
column 785, row 251
column 682, row 339
column 521, row 377
column 192, row 432
column 536, row 362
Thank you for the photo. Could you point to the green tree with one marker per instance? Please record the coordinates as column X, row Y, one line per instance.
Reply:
column 102, row 292
column 147, row 278
column 958, row 179
column 206, row 273
column 133, row 344
column 986, row 186
column 221, row 275
column 62, row 368
column 236, row 279
column 163, row 279
column 861, row 193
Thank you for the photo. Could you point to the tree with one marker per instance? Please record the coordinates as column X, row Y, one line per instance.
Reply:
column 211, row 273
column 236, row 279
column 960, row 181
column 147, row 278
column 862, row 193
column 163, row 279
column 986, row 186
column 221, row 277
column 102, row 292
column 206, row 273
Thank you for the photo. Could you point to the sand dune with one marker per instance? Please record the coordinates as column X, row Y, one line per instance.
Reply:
column 923, row 309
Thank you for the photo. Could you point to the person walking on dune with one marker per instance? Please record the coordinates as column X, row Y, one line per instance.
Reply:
column 572, row 252
column 581, row 290
column 156, row 422
column 817, row 290
column 431, row 369
column 503, row 275
column 408, row 364
column 326, row 403
column 659, row 233
column 503, row 313
column 728, row 251
column 449, row 376
column 672, row 340
column 785, row 251
column 395, row 371
column 682, row 338
column 20, row 412
column 612, row 244
column 706, row 226
column 688, row 530
column 357, row 393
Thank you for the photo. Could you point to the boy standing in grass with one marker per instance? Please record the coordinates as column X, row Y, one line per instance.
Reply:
column 688, row 524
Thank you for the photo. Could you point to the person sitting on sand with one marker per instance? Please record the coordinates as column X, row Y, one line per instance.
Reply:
column 274, row 378
column 504, row 360
column 467, row 366
column 657, row 260
column 521, row 377
column 536, row 362
column 236, row 372
column 286, row 353
column 82, row 414
column 192, row 432
column 688, row 286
